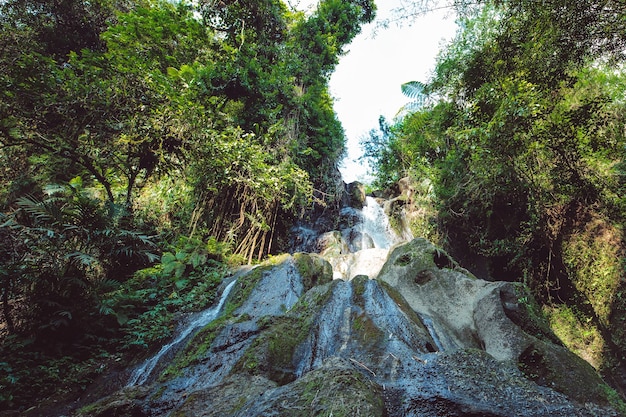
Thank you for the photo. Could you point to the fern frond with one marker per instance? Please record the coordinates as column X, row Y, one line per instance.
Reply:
column 152, row 257
column 45, row 211
column 54, row 189
column 108, row 284
column 413, row 89
column 417, row 91
column 82, row 258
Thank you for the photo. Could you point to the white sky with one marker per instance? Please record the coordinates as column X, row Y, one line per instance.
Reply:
column 366, row 83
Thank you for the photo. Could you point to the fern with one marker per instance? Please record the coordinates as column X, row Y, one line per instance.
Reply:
column 82, row 258
column 40, row 211
column 416, row 91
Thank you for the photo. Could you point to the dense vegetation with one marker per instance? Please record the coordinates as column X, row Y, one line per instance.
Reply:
column 520, row 137
column 143, row 146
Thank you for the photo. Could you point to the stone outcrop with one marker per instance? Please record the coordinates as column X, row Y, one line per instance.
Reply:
column 355, row 195
column 425, row 338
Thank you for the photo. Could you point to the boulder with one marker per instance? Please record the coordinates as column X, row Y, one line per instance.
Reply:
column 355, row 195
column 425, row 339
column 469, row 313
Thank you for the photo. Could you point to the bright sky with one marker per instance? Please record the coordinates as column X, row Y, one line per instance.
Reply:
column 366, row 83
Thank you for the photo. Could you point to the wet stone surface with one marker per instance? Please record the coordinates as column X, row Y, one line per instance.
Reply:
column 425, row 338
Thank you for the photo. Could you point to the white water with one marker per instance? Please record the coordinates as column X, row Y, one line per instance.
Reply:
column 376, row 238
column 143, row 372
column 376, row 225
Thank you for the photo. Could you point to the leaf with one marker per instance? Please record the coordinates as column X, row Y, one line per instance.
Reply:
column 172, row 72
column 168, row 258
column 413, row 89
column 180, row 269
column 82, row 258
column 76, row 183
column 122, row 318
column 181, row 283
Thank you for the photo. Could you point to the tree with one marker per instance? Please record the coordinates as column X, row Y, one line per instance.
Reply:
column 525, row 157
column 114, row 115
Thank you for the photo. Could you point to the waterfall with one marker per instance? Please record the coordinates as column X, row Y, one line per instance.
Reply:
column 143, row 372
column 376, row 225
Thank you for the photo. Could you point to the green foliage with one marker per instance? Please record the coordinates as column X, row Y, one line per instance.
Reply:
column 185, row 280
column 521, row 145
column 62, row 253
column 207, row 124
column 60, row 250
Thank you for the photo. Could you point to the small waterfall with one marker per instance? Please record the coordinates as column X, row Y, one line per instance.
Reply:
column 143, row 372
column 376, row 225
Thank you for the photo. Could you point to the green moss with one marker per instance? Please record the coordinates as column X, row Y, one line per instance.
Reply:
column 313, row 269
column 529, row 315
column 247, row 283
column 200, row 344
column 337, row 390
column 358, row 289
column 577, row 331
column 195, row 349
column 402, row 304
column 366, row 331
column 615, row 399
column 594, row 263
column 272, row 353
column 534, row 366
column 124, row 402
column 418, row 254
column 558, row 368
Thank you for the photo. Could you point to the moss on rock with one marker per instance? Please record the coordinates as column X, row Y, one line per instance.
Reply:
column 272, row 354
column 314, row 269
column 337, row 388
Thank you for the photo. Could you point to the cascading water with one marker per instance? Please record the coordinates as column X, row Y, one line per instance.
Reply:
column 376, row 225
column 143, row 372
column 360, row 246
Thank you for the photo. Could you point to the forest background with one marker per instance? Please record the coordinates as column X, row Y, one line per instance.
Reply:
column 148, row 146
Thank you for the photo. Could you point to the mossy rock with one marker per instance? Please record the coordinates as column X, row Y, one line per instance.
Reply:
column 337, row 388
column 557, row 368
column 332, row 244
column 124, row 403
column 226, row 399
column 314, row 269
column 418, row 258
column 355, row 193
column 272, row 353
column 521, row 308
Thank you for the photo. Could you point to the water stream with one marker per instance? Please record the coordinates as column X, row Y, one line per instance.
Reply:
column 141, row 374
column 369, row 241
column 376, row 225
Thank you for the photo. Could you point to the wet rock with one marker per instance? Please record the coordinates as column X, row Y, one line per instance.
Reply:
column 355, row 195
column 364, row 262
column 232, row 397
column 425, row 338
column 337, row 388
column 128, row 402
column 313, row 269
column 331, row 244
column 472, row 314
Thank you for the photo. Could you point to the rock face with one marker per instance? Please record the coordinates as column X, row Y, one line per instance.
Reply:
column 401, row 330
column 424, row 339
column 355, row 195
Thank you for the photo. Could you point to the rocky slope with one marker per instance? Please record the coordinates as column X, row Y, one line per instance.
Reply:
column 424, row 338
